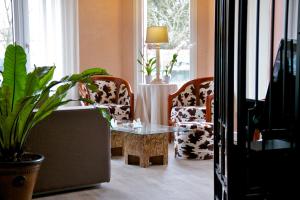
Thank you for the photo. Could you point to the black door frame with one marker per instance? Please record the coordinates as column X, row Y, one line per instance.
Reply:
column 242, row 171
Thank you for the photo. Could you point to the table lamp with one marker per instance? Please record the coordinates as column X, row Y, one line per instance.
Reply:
column 157, row 35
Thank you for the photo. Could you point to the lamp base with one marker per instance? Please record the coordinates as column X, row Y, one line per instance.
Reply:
column 157, row 81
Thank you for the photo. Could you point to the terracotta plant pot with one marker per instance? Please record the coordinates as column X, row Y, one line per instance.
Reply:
column 17, row 179
column 148, row 79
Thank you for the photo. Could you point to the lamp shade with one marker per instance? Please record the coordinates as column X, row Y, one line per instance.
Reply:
column 157, row 34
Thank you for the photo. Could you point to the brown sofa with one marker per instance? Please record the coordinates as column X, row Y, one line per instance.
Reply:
column 76, row 144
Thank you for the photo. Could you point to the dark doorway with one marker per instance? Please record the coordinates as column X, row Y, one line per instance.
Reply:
column 257, row 89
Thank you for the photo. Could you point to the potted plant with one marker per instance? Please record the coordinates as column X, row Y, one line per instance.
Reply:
column 148, row 67
column 169, row 67
column 25, row 100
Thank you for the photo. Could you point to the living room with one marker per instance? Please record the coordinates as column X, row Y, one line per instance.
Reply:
column 147, row 99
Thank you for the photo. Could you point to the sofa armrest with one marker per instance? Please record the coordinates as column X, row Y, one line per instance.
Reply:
column 76, row 144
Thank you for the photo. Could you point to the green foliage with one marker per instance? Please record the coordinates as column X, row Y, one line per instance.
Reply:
column 147, row 65
column 25, row 98
column 169, row 67
column 175, row 14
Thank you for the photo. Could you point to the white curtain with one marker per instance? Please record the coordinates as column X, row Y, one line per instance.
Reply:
column 53, row 36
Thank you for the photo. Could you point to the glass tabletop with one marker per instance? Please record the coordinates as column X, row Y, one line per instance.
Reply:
column 146, row 129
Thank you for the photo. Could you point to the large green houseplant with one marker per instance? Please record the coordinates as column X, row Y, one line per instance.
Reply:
column 25, row 100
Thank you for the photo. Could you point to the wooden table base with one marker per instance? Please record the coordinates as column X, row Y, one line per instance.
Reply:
column 117, row 143
column 146, row 149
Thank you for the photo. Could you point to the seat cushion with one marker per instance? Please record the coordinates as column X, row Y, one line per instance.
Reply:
column 195, row 143
column 188, row 114
column 195, row 125
column 118, row 112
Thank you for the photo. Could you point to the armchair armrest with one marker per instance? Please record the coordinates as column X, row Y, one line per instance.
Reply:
column 84, row 93
column 209, row 109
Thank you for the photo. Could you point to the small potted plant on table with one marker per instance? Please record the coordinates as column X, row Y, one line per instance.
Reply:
column 169, row 67
column 148, row 67
column 25, row 100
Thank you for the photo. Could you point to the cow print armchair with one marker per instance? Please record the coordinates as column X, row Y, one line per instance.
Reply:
column 191, row 107
column 192, row 101
column 113, row 93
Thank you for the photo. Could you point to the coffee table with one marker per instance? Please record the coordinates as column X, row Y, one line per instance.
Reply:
column 147, row 145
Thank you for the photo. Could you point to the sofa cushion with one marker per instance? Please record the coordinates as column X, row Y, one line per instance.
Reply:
column 197, row 143
column 188, row 114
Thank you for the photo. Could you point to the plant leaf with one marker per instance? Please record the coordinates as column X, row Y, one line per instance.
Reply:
column 14, row 74
column 88, row 73
column 38, row 79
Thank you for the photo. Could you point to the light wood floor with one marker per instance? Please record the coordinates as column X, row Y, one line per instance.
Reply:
column 179, row 180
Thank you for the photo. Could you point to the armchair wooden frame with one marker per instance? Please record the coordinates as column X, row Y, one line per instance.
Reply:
column 84, row 92
column 196, row 82
column 208, row 107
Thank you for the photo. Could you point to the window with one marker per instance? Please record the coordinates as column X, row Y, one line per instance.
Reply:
column 46, row 29
column 45, row 34
column 179, row 16
column 6, row 29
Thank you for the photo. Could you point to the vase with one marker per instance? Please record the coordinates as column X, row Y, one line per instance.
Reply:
column 167, row 78
column 148, row 79
column 17, row 179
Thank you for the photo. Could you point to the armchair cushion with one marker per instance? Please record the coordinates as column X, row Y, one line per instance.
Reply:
column 196, row 143
column 188, row 114
column 186, row 97
column 206, row 89
column 124, row 97
column 107, row 92
column 118, row 112
column 196, row 125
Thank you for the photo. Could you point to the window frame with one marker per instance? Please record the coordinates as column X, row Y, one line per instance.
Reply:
column 140, row 22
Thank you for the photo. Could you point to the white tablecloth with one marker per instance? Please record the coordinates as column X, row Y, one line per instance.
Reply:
column 152, row 102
